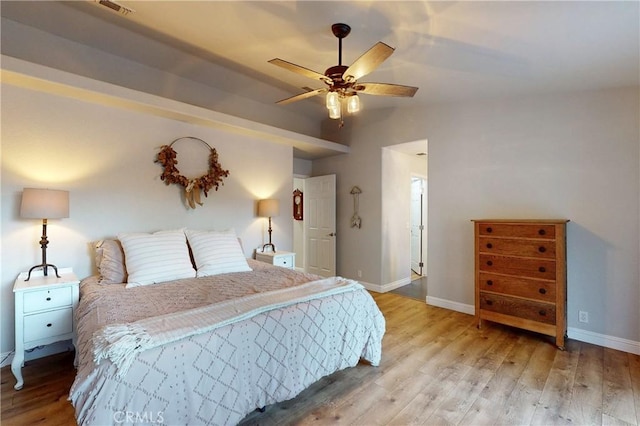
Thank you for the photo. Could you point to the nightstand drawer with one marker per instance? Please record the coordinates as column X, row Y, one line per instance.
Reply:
column 48, row 324
column 284, row 261
column 47, row 299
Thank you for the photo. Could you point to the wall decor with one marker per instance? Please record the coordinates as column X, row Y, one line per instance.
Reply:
column 356, row 221
column 297, row 204
column 168, row 158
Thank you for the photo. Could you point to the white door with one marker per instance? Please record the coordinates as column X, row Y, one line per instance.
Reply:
column 320, row 225
column 417, row 225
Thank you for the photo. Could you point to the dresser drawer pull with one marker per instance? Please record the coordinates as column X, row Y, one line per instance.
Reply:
column 542, row 291
column 48, row 299
column 542, row 232
column 542, row 269
column 49, row 325
column 489, row 245
column 489, row 302
column 542, row 312
column 542, row 249
column 489, row 262
column 489, row 282
column 489, row 230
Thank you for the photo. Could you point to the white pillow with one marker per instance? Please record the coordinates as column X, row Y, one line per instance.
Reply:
column 216, row 252
column 155, row 258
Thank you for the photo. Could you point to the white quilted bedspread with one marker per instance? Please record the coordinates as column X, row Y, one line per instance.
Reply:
column 216, row 378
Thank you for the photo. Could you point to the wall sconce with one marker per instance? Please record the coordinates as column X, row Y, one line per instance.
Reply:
column 269, row 208
column 44, row 204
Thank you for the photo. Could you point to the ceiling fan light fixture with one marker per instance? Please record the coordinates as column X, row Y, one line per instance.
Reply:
column 353, row 104
column 334, row 112
column 333, row 100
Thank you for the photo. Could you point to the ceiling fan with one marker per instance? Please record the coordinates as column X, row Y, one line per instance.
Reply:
column 342, row 81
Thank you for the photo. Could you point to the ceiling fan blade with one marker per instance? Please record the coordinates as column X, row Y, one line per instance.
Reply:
column 384, row 89
column 302, row 96
column 300, row 70
column 369, row 61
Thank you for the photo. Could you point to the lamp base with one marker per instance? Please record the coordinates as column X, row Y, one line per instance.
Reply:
column 44, row 267
column 273, row 247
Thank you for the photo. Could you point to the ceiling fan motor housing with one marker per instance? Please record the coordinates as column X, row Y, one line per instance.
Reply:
column 335, row 73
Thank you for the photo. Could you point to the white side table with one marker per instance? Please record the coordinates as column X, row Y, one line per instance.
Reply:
column 45, row 313
column 285, row 259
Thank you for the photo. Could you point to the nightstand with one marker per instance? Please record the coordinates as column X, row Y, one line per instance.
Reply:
column 285, row 259
column 45, row 313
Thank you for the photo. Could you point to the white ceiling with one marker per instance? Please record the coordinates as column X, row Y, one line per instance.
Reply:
column 453, row 51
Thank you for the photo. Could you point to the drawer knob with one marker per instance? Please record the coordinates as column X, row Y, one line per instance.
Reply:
column 489, row 230
column 542, row 312
column 542, row 232
column 542, row 269
column 489, row 302
column 49, row 325
column 489, row 282
column 542, row 249
column 48, row 299
column 542, row 291
column 489, row 262
column 489, row 245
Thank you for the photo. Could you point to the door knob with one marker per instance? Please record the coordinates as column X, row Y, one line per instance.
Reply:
column 333, row 234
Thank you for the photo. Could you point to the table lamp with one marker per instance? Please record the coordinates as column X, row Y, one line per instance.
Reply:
column 269, row 208
column 44, row 204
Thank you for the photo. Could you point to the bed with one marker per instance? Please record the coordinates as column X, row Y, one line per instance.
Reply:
column 210, row 347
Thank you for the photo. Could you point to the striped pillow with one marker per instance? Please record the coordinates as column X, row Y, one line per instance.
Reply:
column 155, row 258
column 216, row 252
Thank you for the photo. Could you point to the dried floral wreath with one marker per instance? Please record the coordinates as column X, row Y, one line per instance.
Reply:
column 167, row 157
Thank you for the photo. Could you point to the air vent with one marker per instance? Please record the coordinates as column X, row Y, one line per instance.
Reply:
column 116, row 7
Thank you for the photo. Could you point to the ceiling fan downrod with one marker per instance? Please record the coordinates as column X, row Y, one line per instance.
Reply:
column 340, row 31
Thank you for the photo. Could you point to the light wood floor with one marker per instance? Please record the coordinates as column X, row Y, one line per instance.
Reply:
column 437, row 368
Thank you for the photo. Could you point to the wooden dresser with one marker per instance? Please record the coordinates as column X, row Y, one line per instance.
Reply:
column 521, row 274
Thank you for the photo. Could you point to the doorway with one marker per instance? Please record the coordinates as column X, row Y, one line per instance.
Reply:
column 418, row 226
column 314, row 231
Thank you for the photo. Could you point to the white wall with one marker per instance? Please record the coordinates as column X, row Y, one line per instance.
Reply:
column 397, row 170
column 105, row 157
column 573, row 156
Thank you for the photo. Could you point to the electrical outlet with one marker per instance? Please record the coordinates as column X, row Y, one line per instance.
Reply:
column 359, row 273
column 583, row 316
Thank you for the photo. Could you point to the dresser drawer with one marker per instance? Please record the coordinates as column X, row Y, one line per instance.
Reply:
column 532, row 289
column 533, row 268
column 48, row 324
column 526, row 309
column 47, row 299
column 517, row 247
column 543, row 231
column 284, row 261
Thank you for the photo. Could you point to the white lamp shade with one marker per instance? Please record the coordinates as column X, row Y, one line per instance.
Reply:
column 268, row 208
column 44, row 204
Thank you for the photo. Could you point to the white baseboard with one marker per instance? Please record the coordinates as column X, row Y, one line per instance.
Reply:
column 454, row 306
column 372, row 287
column 604, row 340
column 6, row 358
column 383, row 288
column 54, row 348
